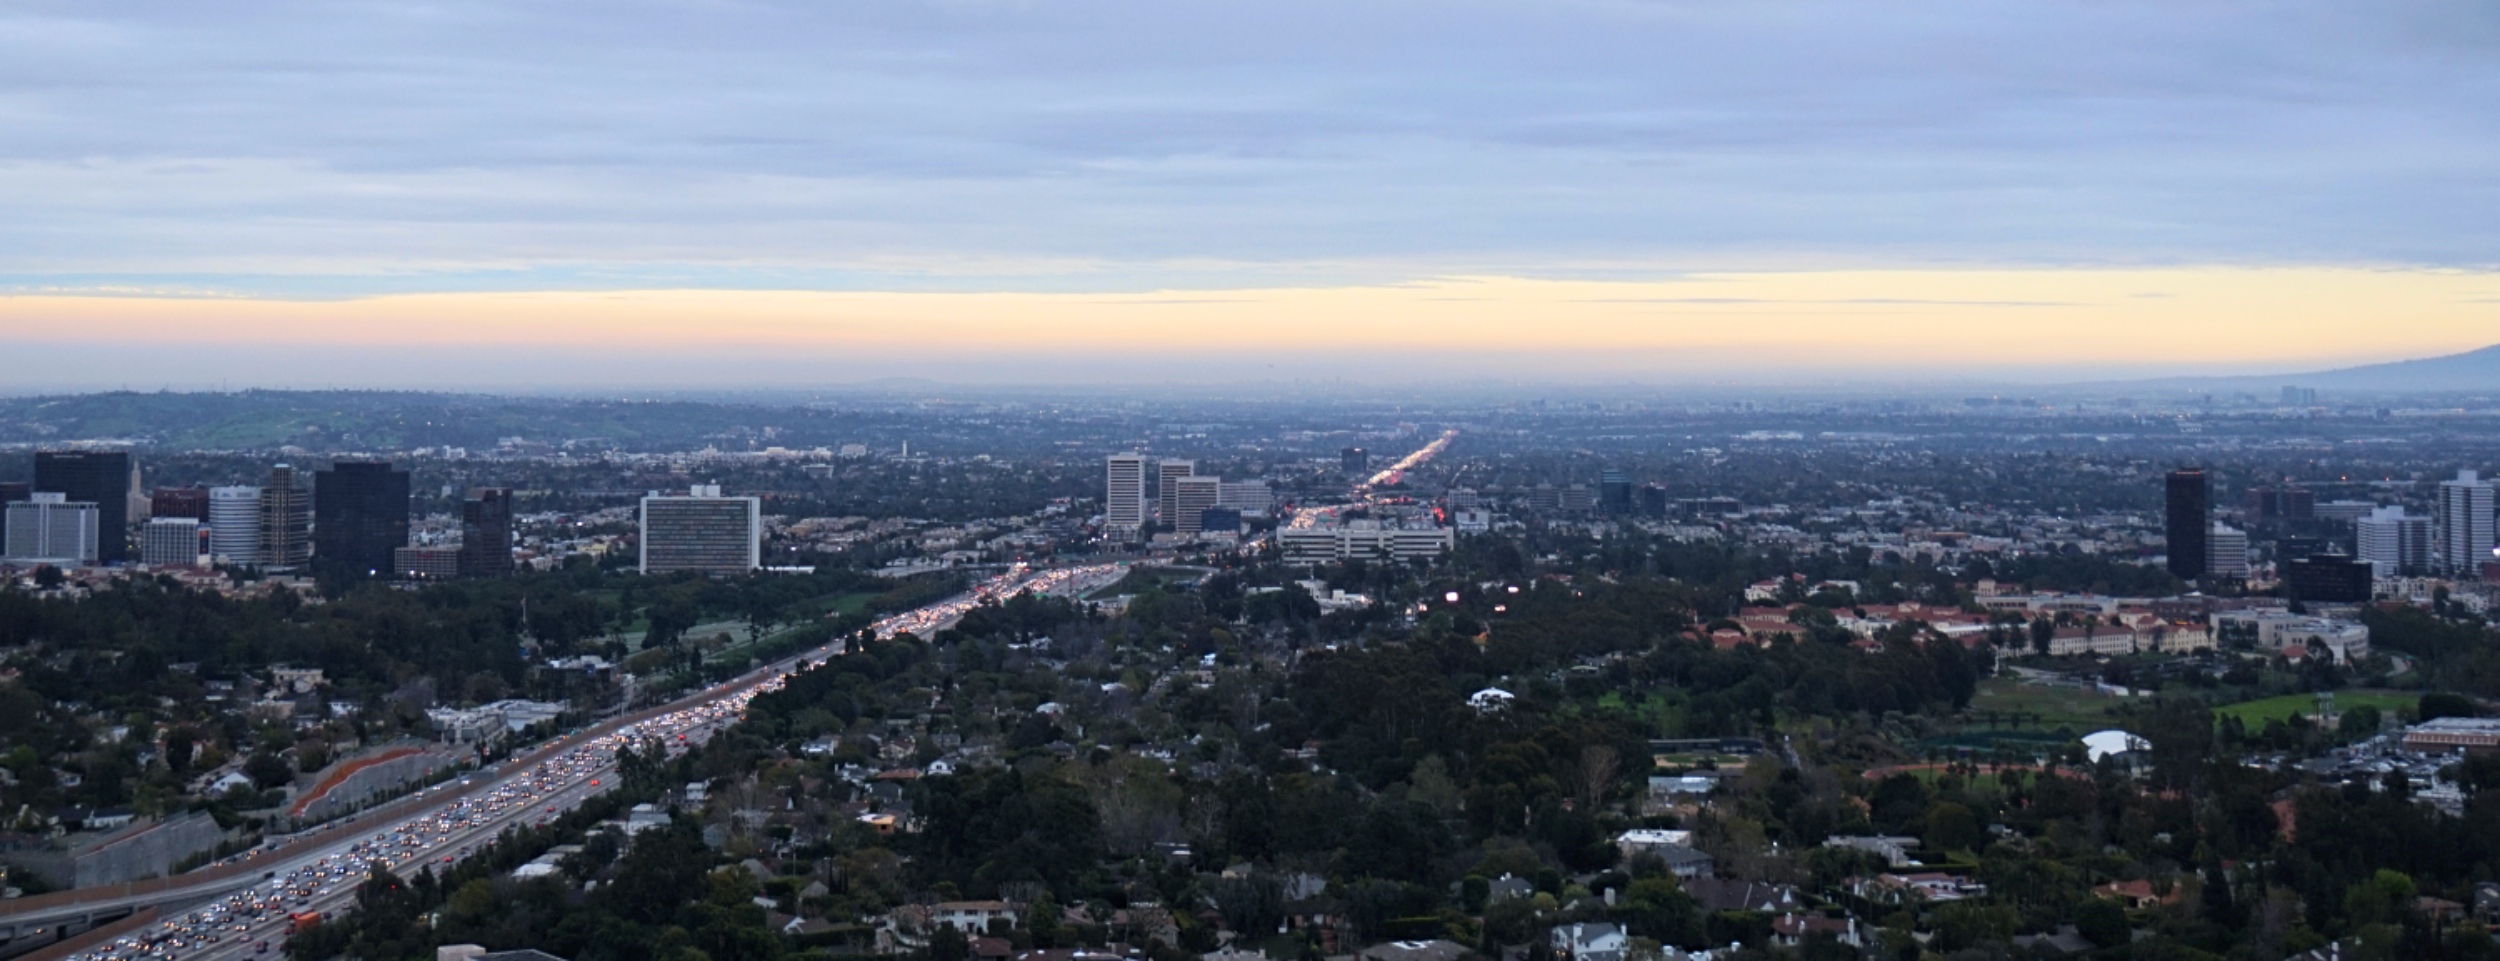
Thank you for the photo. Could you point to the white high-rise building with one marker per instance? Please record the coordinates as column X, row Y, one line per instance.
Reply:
column 170, row 542
column 702, row 531
column 51, row 529
column 2392, row 542
column 1187, row 500
column 1167, row 480
column 234, row 525
column 1124, row 497
column 2465, row 524
column 2226, row 553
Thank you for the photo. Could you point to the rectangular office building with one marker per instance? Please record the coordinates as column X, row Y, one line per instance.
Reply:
column 359, row 516
column 2329, row 578
column 1187, row 502
column 170, row 542
column 702, row 531
column 51, row 529
column 285, row 521
column 486, row 532
column 1167, row 484
column 100, row 479
column 2465, row 534
column 1363, row 539
column 1124, row 493
column 426, row 563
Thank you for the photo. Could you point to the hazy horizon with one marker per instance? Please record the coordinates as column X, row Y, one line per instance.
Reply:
column 475, row 196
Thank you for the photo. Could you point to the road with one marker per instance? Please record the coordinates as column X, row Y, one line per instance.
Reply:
column 230, row 914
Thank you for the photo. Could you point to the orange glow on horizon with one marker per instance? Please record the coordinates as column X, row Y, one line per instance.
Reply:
column 1842, row 318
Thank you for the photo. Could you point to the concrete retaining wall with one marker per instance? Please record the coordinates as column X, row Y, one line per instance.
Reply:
column 372, row 780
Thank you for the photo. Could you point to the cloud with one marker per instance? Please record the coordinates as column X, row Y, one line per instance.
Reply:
column 326, row 149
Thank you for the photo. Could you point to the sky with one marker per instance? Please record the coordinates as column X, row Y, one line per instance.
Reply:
column 707, row 194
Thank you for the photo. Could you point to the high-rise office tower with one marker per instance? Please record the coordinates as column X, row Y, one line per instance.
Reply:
column 486, row 532
column 2226, row 553
column 1614, row 492
column 1187, row 502
column 2188, row 510
column 234, row 525
column 191, row 502
column 1124, row 493
column 1355, row 461
column 1167, row 476
column 285, row 521
column 49, row 528
column 170, row 542
column 96, row 477
column 13, row 491
column 1653, row 500
column 702, row 531
column 359, row 516
column 2465, row 524
column 2392, row 542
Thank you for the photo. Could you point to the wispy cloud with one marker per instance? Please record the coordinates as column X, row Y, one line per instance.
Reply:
column 295, row 147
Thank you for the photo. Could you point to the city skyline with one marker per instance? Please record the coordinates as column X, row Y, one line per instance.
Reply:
column 470, row 195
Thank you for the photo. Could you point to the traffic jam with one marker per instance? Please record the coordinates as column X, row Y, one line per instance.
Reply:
column 257, row 919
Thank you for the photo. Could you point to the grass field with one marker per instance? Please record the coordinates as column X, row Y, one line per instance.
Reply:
column 1142, row 577
column 2043, row 708
column 855, row 602
column 2256, row 713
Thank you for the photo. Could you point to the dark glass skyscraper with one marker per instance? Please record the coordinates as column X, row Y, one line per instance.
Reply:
column 1354, row 460
column 486, row 533
column 1614, row 492
column 1653, row 500
column 93, row 475
column 359, row 516
column 2188, row 503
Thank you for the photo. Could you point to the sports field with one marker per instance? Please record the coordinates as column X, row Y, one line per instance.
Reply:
column 2256, row 713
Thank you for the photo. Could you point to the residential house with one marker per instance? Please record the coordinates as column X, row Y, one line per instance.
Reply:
column 1587, row 941
column 1795, row 929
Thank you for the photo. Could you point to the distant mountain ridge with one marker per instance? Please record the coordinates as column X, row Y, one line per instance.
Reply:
column 2473, row 370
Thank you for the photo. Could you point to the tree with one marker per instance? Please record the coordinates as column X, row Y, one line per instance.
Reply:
column 1952, row 827
column 178, row 746
column 2443, row 704
column 267, row 770
column 2103, row 922
column 2359, row 722
column 947, row 943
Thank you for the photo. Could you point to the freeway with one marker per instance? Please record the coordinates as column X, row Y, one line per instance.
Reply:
column 248, row 907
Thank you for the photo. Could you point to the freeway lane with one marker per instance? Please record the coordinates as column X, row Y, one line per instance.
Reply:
column 231, row 911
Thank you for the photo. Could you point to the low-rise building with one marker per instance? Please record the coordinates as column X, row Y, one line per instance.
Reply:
column 2454, row 735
